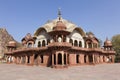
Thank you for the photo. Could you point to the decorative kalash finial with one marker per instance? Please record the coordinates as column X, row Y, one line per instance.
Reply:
column 59, row 14
column 106, row 38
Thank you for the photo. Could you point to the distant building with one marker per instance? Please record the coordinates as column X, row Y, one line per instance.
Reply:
column 59, row 44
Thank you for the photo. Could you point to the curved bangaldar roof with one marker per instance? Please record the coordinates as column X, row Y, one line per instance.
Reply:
column 48, row 27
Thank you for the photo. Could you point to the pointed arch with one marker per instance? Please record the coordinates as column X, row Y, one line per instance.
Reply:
column 60, row 58
column 39, row 30
column 71, row 41
column 77, row 58
column 80, row 30
column 39, row 44
column 48, row 41
column 75, row 43
column 43, row 43
column 80, row 44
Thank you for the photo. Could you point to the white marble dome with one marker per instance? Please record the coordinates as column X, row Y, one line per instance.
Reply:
column 48, row 27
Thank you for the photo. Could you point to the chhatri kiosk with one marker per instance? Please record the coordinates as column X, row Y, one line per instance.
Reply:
column 59, row 44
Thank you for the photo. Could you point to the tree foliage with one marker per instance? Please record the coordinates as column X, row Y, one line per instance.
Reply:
column 116, row 43
column 116, row 46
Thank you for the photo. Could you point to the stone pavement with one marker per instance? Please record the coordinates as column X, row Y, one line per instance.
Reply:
column 85, row 72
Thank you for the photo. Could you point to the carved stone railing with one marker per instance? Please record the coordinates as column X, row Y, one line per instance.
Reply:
column 93, row 50
column 60, row 44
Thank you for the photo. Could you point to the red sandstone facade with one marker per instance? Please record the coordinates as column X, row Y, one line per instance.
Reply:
column 59, row 44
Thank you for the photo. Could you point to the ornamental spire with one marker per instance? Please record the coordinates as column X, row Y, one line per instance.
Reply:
column 106, row 38
column 59, row 14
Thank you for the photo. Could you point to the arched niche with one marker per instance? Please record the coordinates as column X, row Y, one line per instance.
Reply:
column 76, row 36
column 42, row 35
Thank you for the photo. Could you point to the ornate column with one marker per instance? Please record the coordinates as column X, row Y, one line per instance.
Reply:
column 32, row 59
column 56, row 59
column 62, row 38
column 52, row 59
column 87, row 61
column 66, row 59
column 113, row 58
column 56, row 38
column 93, row 58
column 26, row 61
column 62, row 58
column 21, row 58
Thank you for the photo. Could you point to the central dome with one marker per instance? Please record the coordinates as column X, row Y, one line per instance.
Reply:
column 61, row 24
column 49, row 26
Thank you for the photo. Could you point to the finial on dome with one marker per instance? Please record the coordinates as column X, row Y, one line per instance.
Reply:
column 106, row 38
column 59, row 14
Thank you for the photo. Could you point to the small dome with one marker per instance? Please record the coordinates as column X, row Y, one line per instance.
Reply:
column 59, row 26
column 90, row 36
column 28, row 36
column 107, row 43
column 23, row 42
column 12, row 43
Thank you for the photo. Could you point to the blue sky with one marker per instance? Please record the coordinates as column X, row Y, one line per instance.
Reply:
column 20, row 17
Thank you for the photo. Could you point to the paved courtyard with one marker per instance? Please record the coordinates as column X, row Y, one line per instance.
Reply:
column 86, row 72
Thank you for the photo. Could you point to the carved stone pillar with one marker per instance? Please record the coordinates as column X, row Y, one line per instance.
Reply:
column 62, row 38
column 66, row 59
column 56, row 59
column 26, row 61
column 87, row 60
column 62, row 59
column 52, row 59
column 32, row 59
column 93, row 58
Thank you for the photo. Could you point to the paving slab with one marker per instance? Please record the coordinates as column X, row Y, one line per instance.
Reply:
column 84, row 72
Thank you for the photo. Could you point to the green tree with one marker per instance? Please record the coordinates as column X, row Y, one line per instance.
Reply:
column 116, row 46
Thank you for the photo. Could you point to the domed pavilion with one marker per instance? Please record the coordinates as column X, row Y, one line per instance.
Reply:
column 59, row 44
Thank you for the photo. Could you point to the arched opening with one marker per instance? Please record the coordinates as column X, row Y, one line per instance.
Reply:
column 28, row 59
column 39, row 44
column 71, row 41
column 54, row 59
column 103, row 58
column 85, row 59
column 77, row 58
column 75, row 43
column 64, row 58
column 60, row 58
column 29, row 45
column 43, row 43
column 23, row 59
column 64, row 38
column 48, row 41
column 85, row 44
column 94, row 45
column 59, row 39
column 41, row 58
column 36, row 59
column 99, row 59
column 49, row 62
column 67, row 58
column 89, row 45
column 10, row 59
column 80, row 44
column 111, row 60
column 90, row 58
